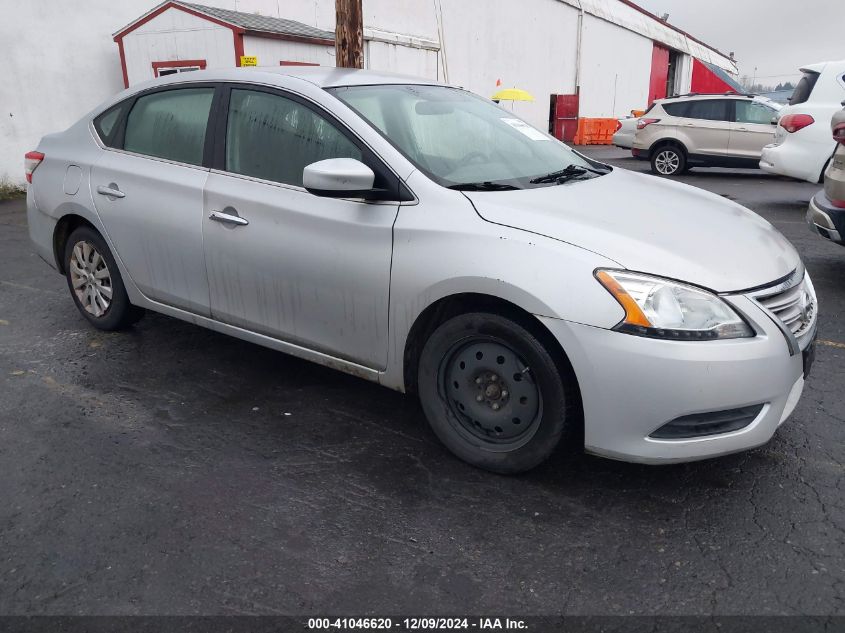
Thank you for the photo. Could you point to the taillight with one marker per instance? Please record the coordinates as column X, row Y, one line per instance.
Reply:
column 31, row 161
column 839, row 204
column 794, row 122
column 618, row 125
column 839, row 133
column 644, row 123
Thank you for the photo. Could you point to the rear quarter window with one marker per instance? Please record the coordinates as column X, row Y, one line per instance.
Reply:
column 804, row 88
column 106, row 124
column 676, row 109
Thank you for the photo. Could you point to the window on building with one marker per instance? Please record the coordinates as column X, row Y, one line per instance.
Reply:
column 272, row 137
column 161, row 69
column 162, row 72
column 708, row 109
column 170, row 124
column 753, row 112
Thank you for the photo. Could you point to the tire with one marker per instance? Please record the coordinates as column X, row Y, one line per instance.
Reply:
column 492, row 393
column 668, row 160
column 92, row 275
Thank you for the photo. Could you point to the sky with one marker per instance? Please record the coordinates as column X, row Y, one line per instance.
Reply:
column 775, row 36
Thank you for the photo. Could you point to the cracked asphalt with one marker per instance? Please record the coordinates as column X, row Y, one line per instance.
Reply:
column 172, row 470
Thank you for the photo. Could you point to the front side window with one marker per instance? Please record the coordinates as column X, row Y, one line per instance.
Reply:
column 170, row 124
column 753, row 112
column 272, row 137
column 708, row 109
column 458, row 138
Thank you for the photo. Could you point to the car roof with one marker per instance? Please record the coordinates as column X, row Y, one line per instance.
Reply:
column 321, row 76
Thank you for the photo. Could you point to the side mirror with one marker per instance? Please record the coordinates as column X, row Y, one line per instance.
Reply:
column 774, row 120
column 338, row 178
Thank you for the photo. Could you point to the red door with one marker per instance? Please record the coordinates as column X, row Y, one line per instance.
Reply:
column 564, row 116
column 659, row 73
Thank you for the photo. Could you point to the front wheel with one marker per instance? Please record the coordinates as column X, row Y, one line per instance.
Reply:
column 492, row 393
column 668, row 161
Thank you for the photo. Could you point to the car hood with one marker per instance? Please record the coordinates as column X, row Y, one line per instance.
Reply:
column 651, row 225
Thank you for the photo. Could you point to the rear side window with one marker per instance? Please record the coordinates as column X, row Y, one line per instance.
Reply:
column 708, row 110
column 678, row 108
column 106, row 124
column 804, row 88
column 272, row 137
column 170, row 124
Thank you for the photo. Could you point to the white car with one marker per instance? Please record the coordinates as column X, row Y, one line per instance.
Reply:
column 803, row 148
column 626, row 129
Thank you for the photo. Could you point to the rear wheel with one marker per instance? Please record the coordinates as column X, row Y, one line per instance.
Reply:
column 668, row 161
column 492, row 392
column 95, row 282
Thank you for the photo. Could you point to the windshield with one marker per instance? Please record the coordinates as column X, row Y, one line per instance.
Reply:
column 460, row 139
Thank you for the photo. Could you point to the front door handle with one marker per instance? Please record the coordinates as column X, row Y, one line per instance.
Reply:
column 228, row 218
column 111, row 191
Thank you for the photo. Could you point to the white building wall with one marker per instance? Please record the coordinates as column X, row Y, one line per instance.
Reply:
column 271, row 51
column 175, row 35
column 401, row 59
column 488, row 40
column 60, row 64
column 614, row 77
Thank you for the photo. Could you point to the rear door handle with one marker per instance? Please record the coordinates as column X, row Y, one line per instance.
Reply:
column 111, row 191
column 228, row 218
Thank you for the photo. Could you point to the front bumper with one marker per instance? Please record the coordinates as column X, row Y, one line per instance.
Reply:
column 631, row 386
column 825, row 219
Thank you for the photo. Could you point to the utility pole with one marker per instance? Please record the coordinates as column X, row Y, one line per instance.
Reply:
column 349, row 34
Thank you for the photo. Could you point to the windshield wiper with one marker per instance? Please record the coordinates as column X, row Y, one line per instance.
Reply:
column 483, row 186
column 567, row 173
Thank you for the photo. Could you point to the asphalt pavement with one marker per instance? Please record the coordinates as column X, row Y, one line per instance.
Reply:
column 172, row 470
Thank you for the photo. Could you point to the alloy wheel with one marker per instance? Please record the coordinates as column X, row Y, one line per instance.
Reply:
column 667, row 162
column 90, row 278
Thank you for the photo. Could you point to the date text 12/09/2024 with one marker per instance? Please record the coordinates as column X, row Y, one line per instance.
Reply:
column 417, row 624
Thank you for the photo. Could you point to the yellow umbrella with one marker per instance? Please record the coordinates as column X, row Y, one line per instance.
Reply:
column 512, row 94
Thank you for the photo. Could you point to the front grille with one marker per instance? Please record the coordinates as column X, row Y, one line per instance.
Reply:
column 795, row 305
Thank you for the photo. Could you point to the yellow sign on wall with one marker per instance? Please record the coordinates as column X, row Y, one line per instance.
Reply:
column 249, row 60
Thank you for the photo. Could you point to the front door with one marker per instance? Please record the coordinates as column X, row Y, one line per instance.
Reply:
column 150, row 196
column 308, row 270
column 752, row 129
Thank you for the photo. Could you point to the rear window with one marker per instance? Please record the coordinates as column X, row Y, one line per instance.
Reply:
column 804, row 88
column 170, row 124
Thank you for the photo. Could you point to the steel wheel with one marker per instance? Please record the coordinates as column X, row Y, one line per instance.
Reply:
column 90, row 278
column 667, row 162
column 491, row 393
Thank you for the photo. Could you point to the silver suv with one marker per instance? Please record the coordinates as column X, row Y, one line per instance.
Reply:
column 705, row 130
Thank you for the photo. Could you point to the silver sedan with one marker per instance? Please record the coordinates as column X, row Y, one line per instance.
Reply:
column 419, row 236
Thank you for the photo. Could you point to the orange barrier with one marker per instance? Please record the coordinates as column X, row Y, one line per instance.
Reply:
column 595, row 131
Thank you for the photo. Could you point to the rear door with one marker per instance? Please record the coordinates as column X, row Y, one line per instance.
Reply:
column 705, row 125
column 308, row 270
column 751, row 130
column 148, row 191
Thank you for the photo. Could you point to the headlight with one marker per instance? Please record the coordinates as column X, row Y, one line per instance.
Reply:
column 667, row 309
